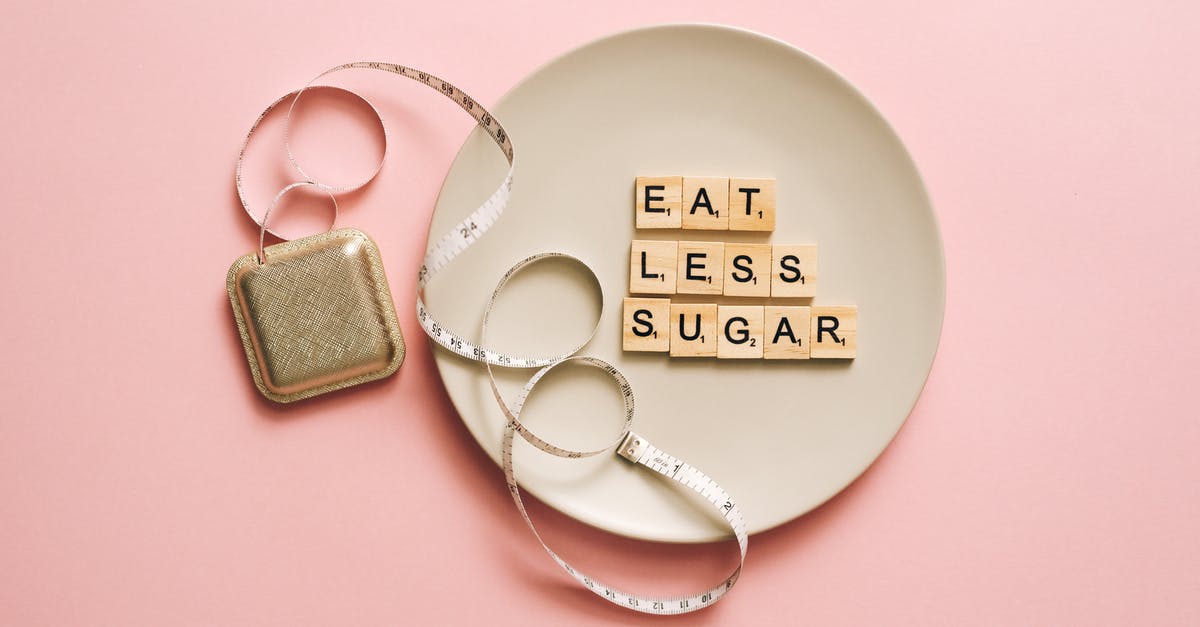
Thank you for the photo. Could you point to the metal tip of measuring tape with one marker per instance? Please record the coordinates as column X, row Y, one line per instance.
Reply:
column 632, row 447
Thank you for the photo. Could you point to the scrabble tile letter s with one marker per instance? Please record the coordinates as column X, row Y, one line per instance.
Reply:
column 794, row 271
column 747, row 270
column 645, row 325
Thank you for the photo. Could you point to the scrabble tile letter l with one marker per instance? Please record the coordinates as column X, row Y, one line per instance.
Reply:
column 652, row 267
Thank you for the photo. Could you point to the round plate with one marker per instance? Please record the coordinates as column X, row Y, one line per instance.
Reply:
column 782, row 437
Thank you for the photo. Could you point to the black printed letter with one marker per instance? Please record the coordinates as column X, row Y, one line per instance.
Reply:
column 647, row 275
column 703, row 193
column 821, row 328
column 643, row 317
column 743, row 333
column 785, row 328
column 695, row 266
column 791, row 269
column 650, row 198
column 684, row 334
column 740, row 262
column 748, row 191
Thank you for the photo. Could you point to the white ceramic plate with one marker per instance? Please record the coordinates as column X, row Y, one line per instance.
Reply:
column 782, row 437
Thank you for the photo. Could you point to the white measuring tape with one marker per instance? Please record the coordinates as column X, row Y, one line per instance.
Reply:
column 627, row 444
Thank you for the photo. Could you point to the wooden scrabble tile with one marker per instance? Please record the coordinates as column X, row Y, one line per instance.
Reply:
column 645, row 325
column 739, row 332
column 705, row 203
column 834, row 332
column 751, row 204
column 747, row 270
column 794, row 271
column 693, row 330
column 652, row 267
column 785, row 332
column 699, row 268
column 656, row 202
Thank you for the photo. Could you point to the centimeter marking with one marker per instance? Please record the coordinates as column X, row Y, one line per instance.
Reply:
column 629, row 445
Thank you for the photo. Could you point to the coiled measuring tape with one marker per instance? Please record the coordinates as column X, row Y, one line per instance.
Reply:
column 628, row 444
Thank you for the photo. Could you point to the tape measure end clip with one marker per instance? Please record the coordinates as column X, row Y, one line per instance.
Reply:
column 632, row 447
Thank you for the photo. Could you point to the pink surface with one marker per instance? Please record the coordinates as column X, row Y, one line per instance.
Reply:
column 1047, row 476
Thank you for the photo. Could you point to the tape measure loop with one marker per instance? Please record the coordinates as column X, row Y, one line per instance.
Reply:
column 240, row 164
column 508, row 276
column 262, row 231
column 287, row 144
column 513, row 412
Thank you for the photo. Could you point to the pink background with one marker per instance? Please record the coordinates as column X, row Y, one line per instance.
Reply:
column 1047, row 476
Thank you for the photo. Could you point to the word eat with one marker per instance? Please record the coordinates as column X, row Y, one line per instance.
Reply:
column 705, row 203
